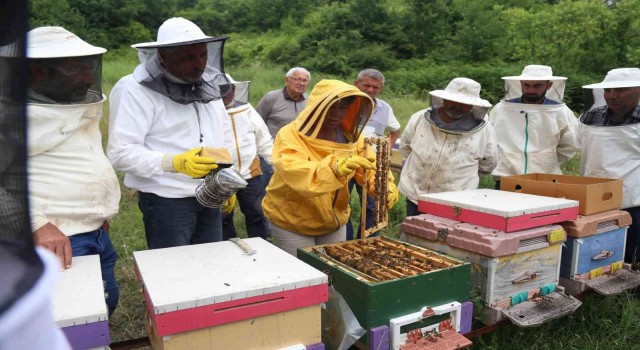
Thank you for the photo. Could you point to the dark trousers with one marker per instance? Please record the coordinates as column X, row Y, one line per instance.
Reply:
column 369, row 210
column 171, row 222
column 632, row 249
column 99, row 242
column 267, row 172
column 250, row 201
column 412, row 208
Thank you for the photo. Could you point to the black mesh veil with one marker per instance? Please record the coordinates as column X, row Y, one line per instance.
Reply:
column 150, row 74
column 20, row 267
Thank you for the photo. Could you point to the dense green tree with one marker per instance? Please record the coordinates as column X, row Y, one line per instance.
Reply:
column 56, row 13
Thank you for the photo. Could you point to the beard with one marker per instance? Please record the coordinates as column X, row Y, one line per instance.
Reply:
column 533, row 98
column 455, row 113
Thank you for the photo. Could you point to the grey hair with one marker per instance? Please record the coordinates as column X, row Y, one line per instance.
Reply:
column 371, row 73
column 297, row 69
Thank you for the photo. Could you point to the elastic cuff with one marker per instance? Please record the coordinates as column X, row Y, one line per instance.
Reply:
column 167, row 163
column 333, row 164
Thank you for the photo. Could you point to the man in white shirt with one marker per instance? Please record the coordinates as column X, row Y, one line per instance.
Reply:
column 371, row 82
column 161, row 117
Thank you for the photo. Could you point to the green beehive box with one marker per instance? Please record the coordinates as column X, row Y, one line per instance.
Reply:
column 375, row 303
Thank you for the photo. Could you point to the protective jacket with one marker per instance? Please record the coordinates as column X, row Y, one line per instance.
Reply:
column 305, row 195
column 439, row 160
column 144, row 125
column 71, row 182
column 613, row 152
column 250, row 137
column 533, row 138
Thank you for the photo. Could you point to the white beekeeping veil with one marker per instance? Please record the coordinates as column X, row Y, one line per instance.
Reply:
column 616, row 78
column 64, row 68
column 534, row 72
column 176, row 32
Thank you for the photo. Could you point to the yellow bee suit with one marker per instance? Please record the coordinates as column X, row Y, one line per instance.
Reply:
column 305, row 195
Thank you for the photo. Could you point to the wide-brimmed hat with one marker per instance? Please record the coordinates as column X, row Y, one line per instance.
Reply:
column 57, row 42
column 462, row 90
column 535, row 72
column 618, row 78
column 178, row 31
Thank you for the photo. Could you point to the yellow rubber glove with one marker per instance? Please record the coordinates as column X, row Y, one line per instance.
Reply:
column 229, row 205
column 190, row 163
column 346, row 166
column 392, row 195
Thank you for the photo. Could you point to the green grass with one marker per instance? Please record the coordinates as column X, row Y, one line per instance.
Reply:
column 601, row 323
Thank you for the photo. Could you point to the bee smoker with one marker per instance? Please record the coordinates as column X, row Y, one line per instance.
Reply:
column 218, row 187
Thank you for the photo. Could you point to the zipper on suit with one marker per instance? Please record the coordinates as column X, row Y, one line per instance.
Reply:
column 526, row 142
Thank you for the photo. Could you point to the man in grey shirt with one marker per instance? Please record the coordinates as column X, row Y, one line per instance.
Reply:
column 280, row 107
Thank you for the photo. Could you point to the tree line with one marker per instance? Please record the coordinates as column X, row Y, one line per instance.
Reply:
column 419, row 44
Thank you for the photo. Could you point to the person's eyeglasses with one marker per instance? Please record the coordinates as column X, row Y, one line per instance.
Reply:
column 300, row 80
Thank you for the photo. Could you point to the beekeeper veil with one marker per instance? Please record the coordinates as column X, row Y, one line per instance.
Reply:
column 175, row 34
column 64, row 68
column 335, row 105
column 465, row 91
column 615, row 78
column 535, row 74
column 236, row 93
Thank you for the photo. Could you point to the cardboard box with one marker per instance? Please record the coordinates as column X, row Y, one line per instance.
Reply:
column 396, row 158
column 594, row 194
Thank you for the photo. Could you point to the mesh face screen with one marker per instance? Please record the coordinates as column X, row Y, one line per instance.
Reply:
column 20, row 267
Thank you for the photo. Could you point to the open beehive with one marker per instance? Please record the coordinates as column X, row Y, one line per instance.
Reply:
column 382, row 278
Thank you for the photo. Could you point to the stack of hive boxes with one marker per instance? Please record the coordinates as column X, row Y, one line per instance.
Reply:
column 219, row 296
column 400, row 293
column 593, row 256
column 513, row 242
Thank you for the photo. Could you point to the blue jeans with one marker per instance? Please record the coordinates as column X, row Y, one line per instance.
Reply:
column 98, row 242
column 172, row 222
column 632, row 249
column 267, row 172
column 250, row 201
column 370, row 206
column 412, row 209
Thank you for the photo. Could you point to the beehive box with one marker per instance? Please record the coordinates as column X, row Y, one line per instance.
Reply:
column 201, row 294
column 384, row 292
column 500, row 210
column 593, row 255
column 79, row 304
column 508, row 269
column 594, row 194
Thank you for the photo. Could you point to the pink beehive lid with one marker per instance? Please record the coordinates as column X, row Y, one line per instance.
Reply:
column 204, row 285
column 589, row 225
column 502, row 210
column 478, row 239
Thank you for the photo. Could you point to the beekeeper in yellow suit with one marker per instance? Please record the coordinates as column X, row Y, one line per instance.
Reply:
column 314, row 157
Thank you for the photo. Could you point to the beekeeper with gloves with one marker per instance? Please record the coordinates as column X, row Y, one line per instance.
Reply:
column 161, row 117
column 314, row 157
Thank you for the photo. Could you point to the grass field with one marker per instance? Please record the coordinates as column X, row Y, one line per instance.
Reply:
column 601, row 323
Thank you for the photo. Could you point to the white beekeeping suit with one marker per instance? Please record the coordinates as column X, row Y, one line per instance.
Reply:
column 612, row 151
column 533, row 137
column 447, row 156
